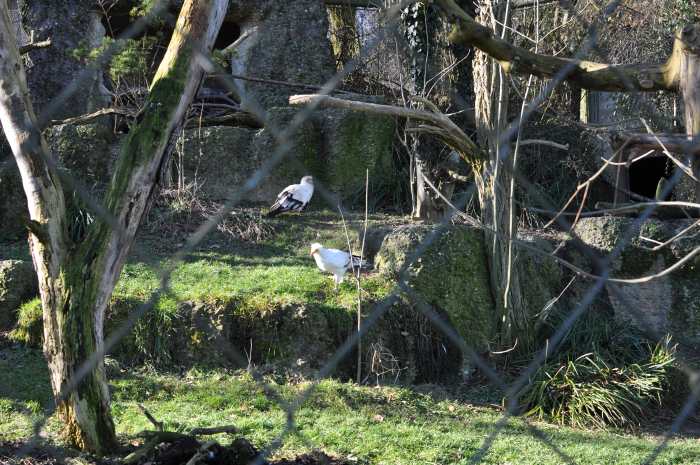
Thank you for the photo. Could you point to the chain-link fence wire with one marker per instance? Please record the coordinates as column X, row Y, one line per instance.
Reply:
column 284, row 139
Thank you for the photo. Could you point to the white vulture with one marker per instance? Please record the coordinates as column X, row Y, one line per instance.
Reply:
column 337, row 262
column 293, row 198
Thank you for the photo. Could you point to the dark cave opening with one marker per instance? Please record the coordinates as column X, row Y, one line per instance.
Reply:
column 644, row 176
column 228, row 34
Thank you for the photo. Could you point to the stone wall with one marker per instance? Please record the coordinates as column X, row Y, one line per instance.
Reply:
column 69, row 25
column 335, row 146
column 282, row 41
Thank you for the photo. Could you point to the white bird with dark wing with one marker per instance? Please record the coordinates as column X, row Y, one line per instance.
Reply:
column 293, row 198
column 337, row 262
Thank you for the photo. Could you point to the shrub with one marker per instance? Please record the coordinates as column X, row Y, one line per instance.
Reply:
column 601, row 389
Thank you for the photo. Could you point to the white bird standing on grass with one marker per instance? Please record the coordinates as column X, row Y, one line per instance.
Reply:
column 293, row 198
column 337, row 262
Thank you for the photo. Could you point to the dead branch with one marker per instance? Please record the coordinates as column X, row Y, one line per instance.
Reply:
column 151, row 418
column 213, row 430
column 239, row 118
column 564, row 147
column 442, row 126
column 26, row 48
column 662, row 209
column 142, row 451
column 585, row 74
column 676, row 143
column 90, row 116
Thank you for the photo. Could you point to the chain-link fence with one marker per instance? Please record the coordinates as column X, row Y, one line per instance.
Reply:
column 602, row 279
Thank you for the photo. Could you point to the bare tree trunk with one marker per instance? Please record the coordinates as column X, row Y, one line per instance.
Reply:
column 78, row 262
column 689, row 87
column 493, row 179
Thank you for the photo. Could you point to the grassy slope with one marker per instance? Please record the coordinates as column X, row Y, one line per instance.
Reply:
column 277, row 269
column 379, row 425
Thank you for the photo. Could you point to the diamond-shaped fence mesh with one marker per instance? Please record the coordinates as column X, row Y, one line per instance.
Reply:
column 603, row 278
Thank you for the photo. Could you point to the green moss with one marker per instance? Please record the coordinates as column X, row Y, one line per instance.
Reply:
column 29, row 327
column 363, row 142
column 450, row 275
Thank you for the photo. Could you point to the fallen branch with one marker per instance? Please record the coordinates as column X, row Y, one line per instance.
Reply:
column 90, row 116
column 151, row 418
column 213, row 430
column 142, row 451
column 26, row 48
column 241, row 118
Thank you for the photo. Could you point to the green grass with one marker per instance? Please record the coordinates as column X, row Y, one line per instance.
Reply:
column 385, row 425
column 278, row 270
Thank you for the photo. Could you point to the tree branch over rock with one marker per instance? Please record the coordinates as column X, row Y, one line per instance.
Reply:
column 438, row 124
column 585, row 74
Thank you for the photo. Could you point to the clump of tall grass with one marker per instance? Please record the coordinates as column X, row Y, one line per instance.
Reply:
column 29, row 327
column 601, row 389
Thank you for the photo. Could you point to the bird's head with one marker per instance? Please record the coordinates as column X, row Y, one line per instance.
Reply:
column 307, row 180
column 315, row 248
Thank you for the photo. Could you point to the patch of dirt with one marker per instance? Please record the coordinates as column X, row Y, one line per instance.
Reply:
column 179, row 452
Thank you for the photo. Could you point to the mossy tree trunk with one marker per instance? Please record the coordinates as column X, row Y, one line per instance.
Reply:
column 344, row 38
column 77, row 261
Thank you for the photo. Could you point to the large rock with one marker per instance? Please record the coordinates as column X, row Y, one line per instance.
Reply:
column 665, row 304
column 451, row 275
column 284, row 41
column 17, row 284
column 85, row 150
column 336, row 147
column 70, row 26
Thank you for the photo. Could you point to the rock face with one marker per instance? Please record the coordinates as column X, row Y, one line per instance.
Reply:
column 336, row 147
column 283, row 41
column 85, row 150
column 667, row 304
column 450, row 275
column 13, row 205
column 70, row 25
column 17, row 284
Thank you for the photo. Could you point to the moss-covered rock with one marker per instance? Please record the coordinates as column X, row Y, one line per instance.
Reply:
column 451, row 275
column 542, row 279
column 286, row 337
column 665, row 304
column 17, row 284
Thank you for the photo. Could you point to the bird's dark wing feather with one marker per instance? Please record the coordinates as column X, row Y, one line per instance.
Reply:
column 285, row 202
